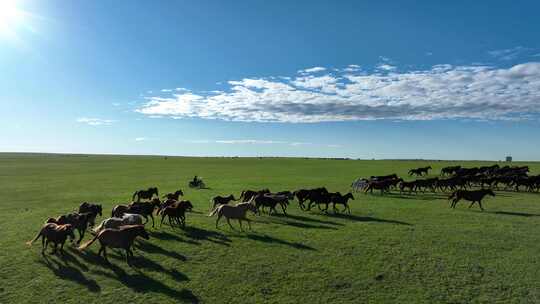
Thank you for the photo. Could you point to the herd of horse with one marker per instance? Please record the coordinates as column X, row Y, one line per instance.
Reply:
column 127, row 221
column 454, row 178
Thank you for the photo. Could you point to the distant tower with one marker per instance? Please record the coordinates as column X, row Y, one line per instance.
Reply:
column 509, row 158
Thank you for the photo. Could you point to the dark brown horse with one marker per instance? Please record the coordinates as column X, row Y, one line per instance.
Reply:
column 94, row 209
column 78, row 221
column 57, row 234
column 175, row 196
column 420, row 171
column 146, row 209
column 383, row 186
column 271, row 201
column 337, row 198
column 145, row 194
column 247, row 195
column 472, row 196
column 176, row 213
column 221, row 200
column 118, row 238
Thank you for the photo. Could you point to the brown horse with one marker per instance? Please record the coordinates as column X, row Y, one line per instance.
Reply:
column 237, row 212
column 57, row 234
column 145, row 194
column 117, row 238
column 78, row 221
column 472, row 196
column 176, row 213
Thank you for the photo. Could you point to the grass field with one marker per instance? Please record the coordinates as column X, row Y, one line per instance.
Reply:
column 391, row 249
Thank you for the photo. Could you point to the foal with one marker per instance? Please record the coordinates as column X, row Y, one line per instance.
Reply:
column 117, row 238
column 221, row 200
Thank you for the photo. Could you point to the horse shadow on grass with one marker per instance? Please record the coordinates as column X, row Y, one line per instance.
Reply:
column 357, row 218
column 151, row 248
column 523, row 214
column 167, row 236
column 308, row 219
column 273, row 240
column 140, row 282
column 419, row 196
column 200, row 234
column 65, row 271
column 284, row 221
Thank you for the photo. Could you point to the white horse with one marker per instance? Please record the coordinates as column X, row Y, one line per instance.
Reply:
column 116, row 222
column 359, row 184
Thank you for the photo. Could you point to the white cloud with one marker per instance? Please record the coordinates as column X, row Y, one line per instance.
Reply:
column 386, row 67
column 116, row 104
column 385, row 59
column 352, row 68
column 166, row 90
column 250, row 141
column 95, row 121
column 509, row 54
column 440, row 92
column 141, row 138
column 312, row 70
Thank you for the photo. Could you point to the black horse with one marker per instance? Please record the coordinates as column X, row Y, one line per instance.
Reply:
column 472, row 196
column 420, row 171
column 145, row 194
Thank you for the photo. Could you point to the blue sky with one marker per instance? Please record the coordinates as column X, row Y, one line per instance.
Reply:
column 363, row 79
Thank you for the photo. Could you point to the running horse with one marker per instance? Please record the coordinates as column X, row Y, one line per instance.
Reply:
column 145, row 194
column 472, row 196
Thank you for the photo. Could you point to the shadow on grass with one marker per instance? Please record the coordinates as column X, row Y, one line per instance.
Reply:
column 70, row 273
column 296, row 224
column 167, row 236
column 200, row 234
column 139, row 282
column 308, row 219
column 272, row 240
column 151, row 248
column 366, row 219
column 419, row 196
column 515, row 213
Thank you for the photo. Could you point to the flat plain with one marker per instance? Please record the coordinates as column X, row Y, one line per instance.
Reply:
column 392, row 248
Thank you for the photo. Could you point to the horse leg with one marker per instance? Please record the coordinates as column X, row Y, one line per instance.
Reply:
column 249, row 222
column 240, row 222
column 162, row 218
column 152, row 217
column 127, row 257
column 229, row 222
column 100, row 250
column 217, row 220
column 283, row 208
column 480, row 204
column 45, row 246
column 472, row 204
column 55, row 248
column 81, row 234
column 105, row 254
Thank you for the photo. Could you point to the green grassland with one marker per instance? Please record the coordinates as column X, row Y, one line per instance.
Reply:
column 393, row 249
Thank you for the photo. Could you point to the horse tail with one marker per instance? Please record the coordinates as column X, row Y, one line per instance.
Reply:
column 214, row 211
column 85, row 245
column 98, row 228
column 29, row 243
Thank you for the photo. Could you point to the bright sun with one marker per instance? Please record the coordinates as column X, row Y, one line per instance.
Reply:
column 10, row 16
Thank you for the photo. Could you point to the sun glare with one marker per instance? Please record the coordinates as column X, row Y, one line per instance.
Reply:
column 10, row 17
